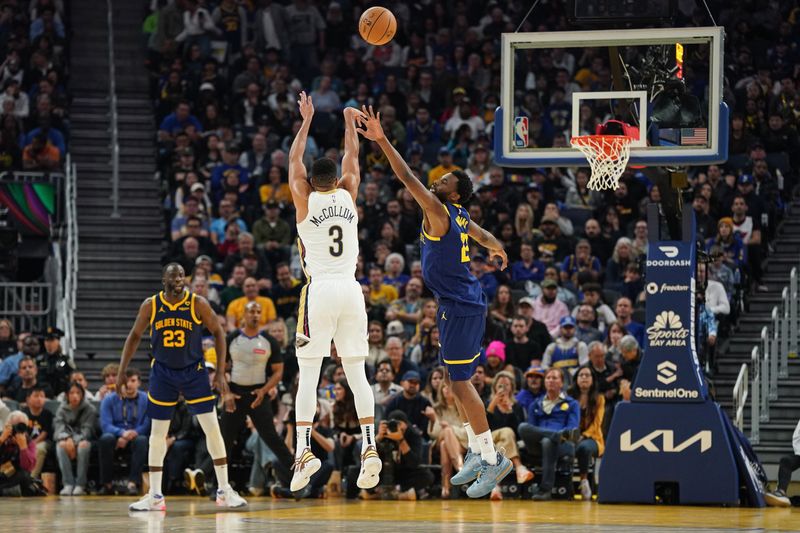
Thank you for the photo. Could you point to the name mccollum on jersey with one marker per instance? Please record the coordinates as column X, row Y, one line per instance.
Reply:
column 335, row 211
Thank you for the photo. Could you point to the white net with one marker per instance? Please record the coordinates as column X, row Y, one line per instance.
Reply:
column 607, row 155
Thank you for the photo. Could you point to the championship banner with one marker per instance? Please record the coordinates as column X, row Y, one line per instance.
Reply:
column 670, row 370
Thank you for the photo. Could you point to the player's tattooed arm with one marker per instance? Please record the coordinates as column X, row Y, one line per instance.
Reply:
column 134, row 338
column 435, row 217
column 490, row 242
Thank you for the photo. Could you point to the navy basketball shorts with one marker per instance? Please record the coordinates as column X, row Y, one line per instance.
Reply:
column 460, row 340
column 166, row 384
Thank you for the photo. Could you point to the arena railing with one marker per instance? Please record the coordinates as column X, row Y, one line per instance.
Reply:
column 765, row 367
column 740, row 393
column 114, row 118
column 67, row 291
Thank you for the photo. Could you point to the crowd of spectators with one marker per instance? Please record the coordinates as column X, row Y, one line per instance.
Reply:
column 564, row 327
column 34, row 119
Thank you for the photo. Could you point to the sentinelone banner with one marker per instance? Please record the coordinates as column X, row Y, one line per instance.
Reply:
column 670, row 370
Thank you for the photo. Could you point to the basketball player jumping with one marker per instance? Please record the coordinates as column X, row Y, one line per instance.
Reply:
column 331, row 303
column 446, row 229
column 176, row 318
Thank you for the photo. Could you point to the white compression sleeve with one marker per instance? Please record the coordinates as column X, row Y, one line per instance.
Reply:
column 357, row 380
column 210, row 425
column 305, row 405
column 157, row 452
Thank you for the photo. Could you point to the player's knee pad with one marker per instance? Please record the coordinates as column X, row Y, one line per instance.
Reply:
column 214, row 441
column 354, row 369
column 158, row 442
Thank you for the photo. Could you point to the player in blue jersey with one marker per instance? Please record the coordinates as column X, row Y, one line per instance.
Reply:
column 176, row 318
column 446, row 231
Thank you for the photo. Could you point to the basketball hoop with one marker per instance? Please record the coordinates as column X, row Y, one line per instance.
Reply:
column 608, row 157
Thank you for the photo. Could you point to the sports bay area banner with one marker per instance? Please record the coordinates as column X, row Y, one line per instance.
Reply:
column 670, row 370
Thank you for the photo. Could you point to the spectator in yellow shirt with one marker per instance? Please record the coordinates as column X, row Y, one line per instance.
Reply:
column 445, row 165
column 379, row 292
column 235, row 313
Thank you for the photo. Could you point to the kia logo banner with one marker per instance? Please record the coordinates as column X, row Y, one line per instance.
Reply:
column 670, row 370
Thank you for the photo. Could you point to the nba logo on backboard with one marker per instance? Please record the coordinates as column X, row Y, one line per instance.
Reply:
column 521, row 132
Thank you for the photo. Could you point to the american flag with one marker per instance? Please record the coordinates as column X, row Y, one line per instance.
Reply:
column 692, row 136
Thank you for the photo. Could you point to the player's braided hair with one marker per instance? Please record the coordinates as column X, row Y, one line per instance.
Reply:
column 464, row 186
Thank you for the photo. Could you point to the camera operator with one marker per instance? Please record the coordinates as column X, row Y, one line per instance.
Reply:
column 400, row 448
column 17, row 457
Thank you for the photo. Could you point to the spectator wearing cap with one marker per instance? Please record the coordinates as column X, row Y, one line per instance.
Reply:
column 230, row 175
column 567, row 352
column 746, row 187
column 593, row 296
column 532, row 388
column 445, row 166
column 399, row 445
column 705, row 224
column 26, row 380
column 17, row 455
column 54, row 367
column 412, row 403
column 553, row 419
column 394, row 351
column 548, row 309
column 550, row 238
column 528, row 268
column 537, row 330
column 178, row 121
column 272, row 233
column 730, row 243
column 495, row 360
column 464, row 114
column 236, row 309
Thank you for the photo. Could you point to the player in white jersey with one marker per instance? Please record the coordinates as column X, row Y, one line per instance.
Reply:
column 331, row 303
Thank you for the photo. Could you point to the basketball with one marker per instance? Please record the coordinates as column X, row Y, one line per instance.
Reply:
column 377, row 25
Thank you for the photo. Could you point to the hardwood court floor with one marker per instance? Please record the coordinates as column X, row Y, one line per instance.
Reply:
column 110, row 515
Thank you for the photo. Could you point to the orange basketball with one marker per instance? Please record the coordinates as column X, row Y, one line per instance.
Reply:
column 377, row 25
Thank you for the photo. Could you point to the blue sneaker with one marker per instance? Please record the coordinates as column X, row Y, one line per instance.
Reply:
column 468, row 472
column 489, row 476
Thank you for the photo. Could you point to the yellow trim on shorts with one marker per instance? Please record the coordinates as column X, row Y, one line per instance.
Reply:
column 302, row 310
column 165, row 404
column 191, row 307
column 153, row 310
column 461, row 361
column 200, row 400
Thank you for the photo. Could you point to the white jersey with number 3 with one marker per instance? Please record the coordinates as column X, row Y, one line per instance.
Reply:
column 329, row 235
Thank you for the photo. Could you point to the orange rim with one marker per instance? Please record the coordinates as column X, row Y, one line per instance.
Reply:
column 609, row 143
